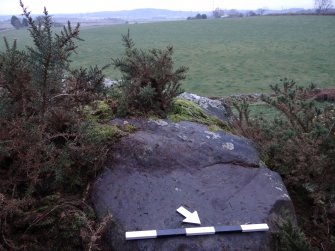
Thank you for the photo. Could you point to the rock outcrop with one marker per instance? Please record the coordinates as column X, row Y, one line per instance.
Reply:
column 164, row 165
column 213, row 107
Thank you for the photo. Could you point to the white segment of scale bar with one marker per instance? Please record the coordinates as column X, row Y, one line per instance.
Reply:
column 254, row 227
column 136, row 235
column 199, row 230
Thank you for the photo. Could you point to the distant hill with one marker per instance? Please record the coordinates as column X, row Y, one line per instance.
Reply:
column 142, row 15
column 139, row 15
column 116, row 17
column 130, row 15
column 5, row 17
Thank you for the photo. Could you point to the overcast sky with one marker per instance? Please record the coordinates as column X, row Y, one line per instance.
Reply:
column 82, row 6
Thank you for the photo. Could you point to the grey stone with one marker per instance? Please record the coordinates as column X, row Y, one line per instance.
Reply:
column 110, row 83
column 167, row 165
column 213, row 107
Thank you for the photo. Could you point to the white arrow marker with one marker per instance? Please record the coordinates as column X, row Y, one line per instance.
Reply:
column 189, row 217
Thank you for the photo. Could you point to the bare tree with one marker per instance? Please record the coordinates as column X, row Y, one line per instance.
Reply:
column 218, row 13
column 322, row 6
column 251, row 13
column 261, row 11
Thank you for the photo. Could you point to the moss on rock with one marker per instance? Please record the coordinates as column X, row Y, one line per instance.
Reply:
column 184, row 110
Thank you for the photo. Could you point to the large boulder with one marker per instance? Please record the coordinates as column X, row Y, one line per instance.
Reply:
column 165, row 165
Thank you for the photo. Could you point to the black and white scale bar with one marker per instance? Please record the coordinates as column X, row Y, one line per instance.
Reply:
column 151, row 234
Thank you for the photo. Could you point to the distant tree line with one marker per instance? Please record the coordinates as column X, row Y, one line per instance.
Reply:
column 219, row 13
column 321, row 7
column 198, row 16
column 18, row 23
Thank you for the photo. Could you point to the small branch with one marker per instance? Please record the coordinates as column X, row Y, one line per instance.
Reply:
column 38, row 219
column 330, row 130
column 100, row 229
column 62, row 135
column 61, row 95
column 8, row 242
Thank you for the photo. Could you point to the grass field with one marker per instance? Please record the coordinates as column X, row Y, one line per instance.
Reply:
column 227, row 56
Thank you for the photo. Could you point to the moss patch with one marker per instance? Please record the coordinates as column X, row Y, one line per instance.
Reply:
column 213, row 128
column 184, row 110
column 129, row 128
column 99, row 133
column 99, row 111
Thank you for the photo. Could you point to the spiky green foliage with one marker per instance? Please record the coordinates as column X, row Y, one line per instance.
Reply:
column 299, row 143
column 303, row 125
column 243, row 111
column 291, row 238
column 293, row 102
column 49, row 149
column 16, row 95
column 49, row 57
column 149, row 81
column 91, row 78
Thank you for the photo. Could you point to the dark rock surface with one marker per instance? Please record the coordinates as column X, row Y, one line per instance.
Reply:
column 165, row 165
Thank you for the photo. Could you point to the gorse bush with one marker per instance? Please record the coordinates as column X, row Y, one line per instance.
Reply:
column 300, row 144
column 149, row 82
column 49, row 149
column 41, row 105
column 306, row 130
column 301, row 124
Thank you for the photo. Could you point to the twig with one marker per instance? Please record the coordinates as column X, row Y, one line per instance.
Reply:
column 60, row 95
column 331, row 128
column 8, row 242
column 97, row 233
column 38, row 219
column 86, row 193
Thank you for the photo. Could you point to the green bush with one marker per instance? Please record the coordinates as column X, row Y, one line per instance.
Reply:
column 299, row 143
column 149, row 82
column 49, row 149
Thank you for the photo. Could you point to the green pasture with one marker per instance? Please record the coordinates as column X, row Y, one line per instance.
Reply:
column 226, row 56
